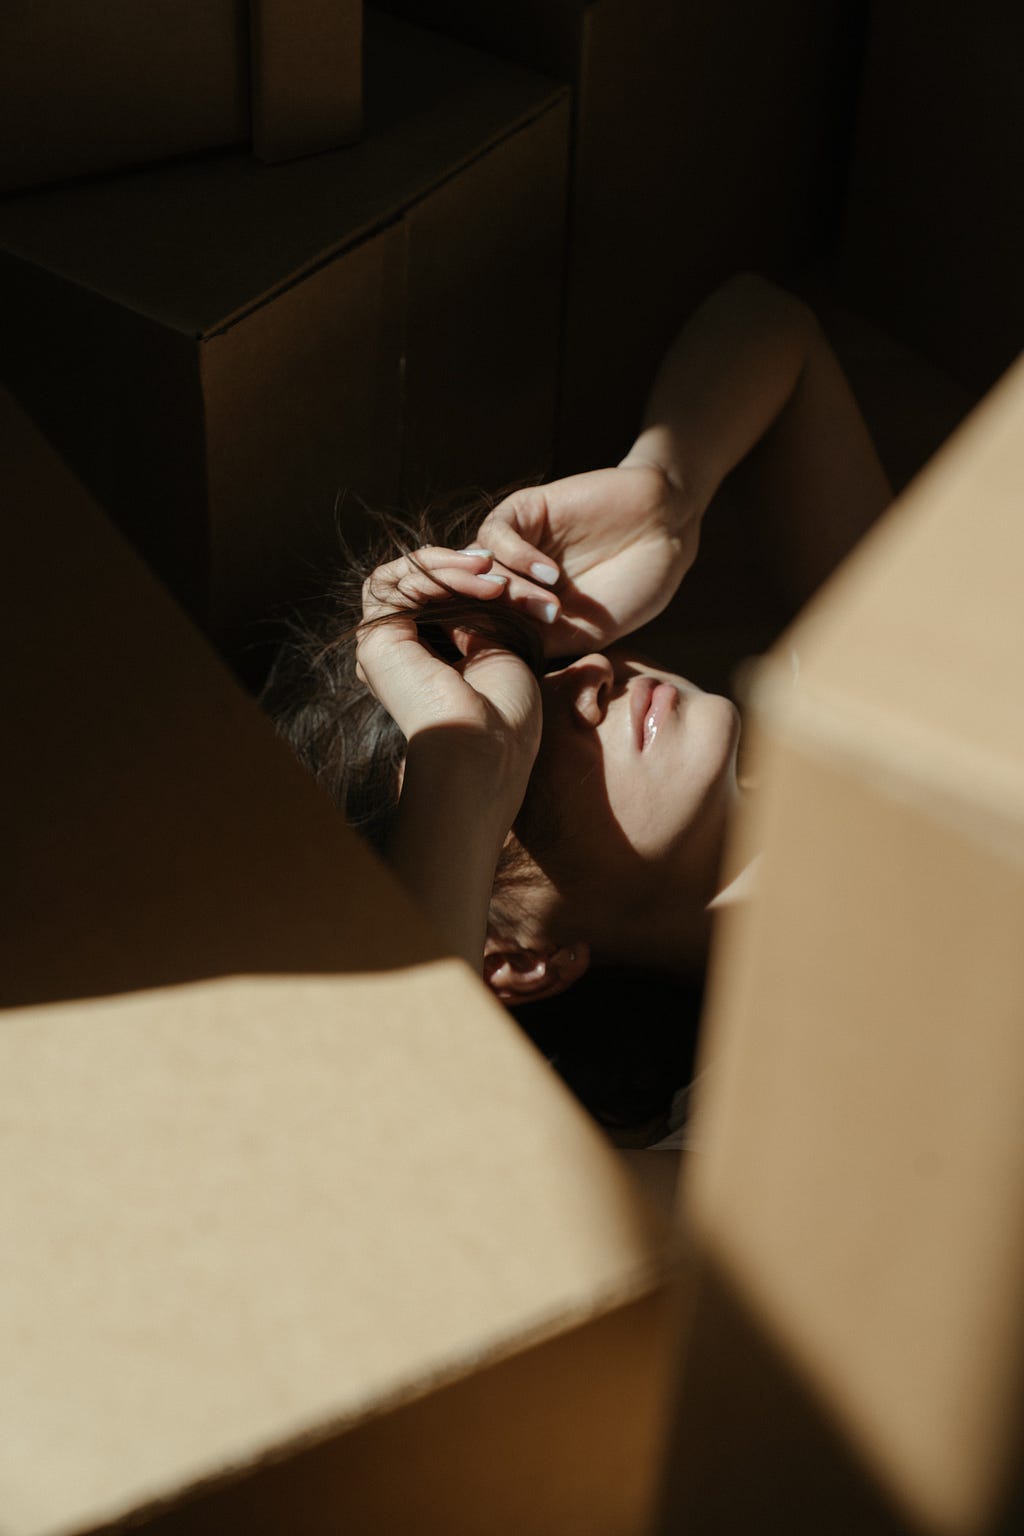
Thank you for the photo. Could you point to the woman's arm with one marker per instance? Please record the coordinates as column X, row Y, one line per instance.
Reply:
column 752, row 377
column 472, row 729
column 749, row 379
column 447, row 836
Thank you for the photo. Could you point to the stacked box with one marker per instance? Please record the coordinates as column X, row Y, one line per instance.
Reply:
column 86, row 90
column 707, row 140
column 226, row 352
column 307, row 76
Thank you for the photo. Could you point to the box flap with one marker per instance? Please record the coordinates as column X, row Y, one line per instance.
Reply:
column 858, row 1202
column 138, row 851
column 241, row 1210
column 243, row 1213
column 197, row 245
column 914, row 649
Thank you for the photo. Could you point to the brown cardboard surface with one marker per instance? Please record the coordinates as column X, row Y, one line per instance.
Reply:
column 303, row 1168
column 933, row 242
column 130, row 839
column 857, row 1202
column 196, row 246
column 704, row 146
column 249, row 1213
column 482, row 352
column 302, row 408
column 926, row 614
column 911, row 407
column 563, row 1437
column 119, row 393
column 226, row 462
column 706, row 140
column 91, row 88
column 307, row 76
column 263, row 313
column 542, row 34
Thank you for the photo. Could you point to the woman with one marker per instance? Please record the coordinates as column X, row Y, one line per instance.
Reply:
column 555, row 812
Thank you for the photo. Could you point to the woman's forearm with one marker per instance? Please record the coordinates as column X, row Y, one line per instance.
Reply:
column 446, row 839
column 751, row 377
column 724, row 380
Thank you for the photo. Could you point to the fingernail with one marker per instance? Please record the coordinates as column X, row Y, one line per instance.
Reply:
column 546, row 612
column 488, row 552
column 548, row 573
column 493, row 576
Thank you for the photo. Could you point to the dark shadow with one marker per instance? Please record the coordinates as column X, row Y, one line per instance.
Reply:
column 624, row 1041
column 153, row 829
column 512, row 1448
column 755, row 1446
column 569, row 1435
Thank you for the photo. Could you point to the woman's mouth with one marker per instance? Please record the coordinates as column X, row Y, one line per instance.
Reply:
column 650, row 703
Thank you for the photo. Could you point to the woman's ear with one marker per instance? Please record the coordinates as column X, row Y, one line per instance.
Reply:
column 520, row 975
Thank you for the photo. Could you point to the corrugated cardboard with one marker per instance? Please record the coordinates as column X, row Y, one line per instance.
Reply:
column 89, row 89
column 707, row 139
column 307, row 76
column 856, row 1355
column 933, row 243
column 542, row 34
column 274, row 1166
column 563, row 1437
column 222, row 350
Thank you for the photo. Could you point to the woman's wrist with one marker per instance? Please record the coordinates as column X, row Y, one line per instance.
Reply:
column 684, row 500
column 480, row 775
column 453, row 815
column 722, row 383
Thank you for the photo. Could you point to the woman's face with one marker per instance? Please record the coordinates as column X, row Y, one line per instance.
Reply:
column 633, row 782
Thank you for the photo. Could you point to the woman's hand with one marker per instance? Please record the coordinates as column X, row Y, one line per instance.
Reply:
column 616, row 541
column 484, row 708
column 472, row 729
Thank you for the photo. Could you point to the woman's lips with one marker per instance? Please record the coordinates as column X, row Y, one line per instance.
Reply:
column 650, row 702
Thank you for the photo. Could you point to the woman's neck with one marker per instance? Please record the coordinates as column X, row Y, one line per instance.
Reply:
column 671, row 931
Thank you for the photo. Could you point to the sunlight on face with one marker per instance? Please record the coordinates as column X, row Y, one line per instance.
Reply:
column 636, row 771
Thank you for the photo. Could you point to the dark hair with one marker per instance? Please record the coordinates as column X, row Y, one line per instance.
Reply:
column 624, row 1041
column 334, row 724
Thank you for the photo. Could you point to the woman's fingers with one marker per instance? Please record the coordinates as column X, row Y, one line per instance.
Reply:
column 433, row 574
column 541, row 605
column 427, row 576
column 515, row 531
column 391, row 658
column 486, row 694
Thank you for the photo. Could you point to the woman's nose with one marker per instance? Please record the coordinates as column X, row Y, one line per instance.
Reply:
column 592, row 678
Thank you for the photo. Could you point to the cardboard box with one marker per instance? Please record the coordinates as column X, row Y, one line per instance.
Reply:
column 857, row 1203
column 706, row 141
column 542, row 34
column 226, row 353
column 297, row 1223
column 89, row 89
column 307, row 76
column 933, row 242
